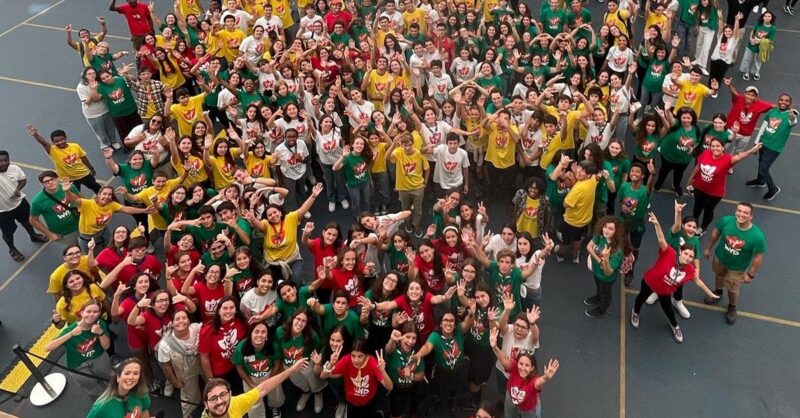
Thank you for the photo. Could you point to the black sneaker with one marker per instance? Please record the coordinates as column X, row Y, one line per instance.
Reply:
column 756, row 184
column 713, row 301
column 591, row 301
column 595, row 313
column 772, row 193
column 730, row 315
column 679, row 192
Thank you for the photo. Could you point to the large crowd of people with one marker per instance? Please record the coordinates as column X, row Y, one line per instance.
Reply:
column 234, row 118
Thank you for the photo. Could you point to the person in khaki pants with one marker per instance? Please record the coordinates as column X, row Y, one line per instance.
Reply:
column 412, row 170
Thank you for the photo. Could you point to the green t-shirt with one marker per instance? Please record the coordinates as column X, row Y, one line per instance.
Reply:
column 553, row 21
column 709, row 17
column 778, row 129
column 355, row 170
column 104, row 62
column 136, row 180
column 294, row 348
column 84, row 347
column 205, row 237
column 654, row 76
column 505, row 284
column 619, row 167
column 678, row 145
column 223, row 260
column 709, row 133
column 688, row 11
column 479, row 331
column 448, row 352
column 760, row 32
column 132, row 406
column 555, row 192
column 648, row 149
column 118, row 97
column 61, row 219
column 287, row 309
column 398, row 262
column 737, row 247
column 680, row 239
column 342, row 39
column 379, row 317
column 397, row 368
column 489, row 82
column 633, row 204
column 576, row 19
column 257, row 365
column 349, row 322
column 614, row 260
column 601, row 195
column 245, row 98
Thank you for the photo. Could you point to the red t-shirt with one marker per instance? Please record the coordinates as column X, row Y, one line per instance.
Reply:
column 170, row 255
column 747, row 117
column 522, row 392
column 712, row 173
column 137, row 17
column 421, row 316
column 207, row 300
column 137, row 336
column 220, row 345
column 431, row 281
column 321, row 254
column 454, row 255
column 149, row 263
column 349, row 282
column 665, row 276
column 330, row 18
column 155, row 327
column 109, row 258
column 360, row 385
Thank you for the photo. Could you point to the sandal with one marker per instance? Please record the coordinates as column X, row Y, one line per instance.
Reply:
column 16, row 255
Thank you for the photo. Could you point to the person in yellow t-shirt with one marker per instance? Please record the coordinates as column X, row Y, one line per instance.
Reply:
column 412, row 170
column 564, row 104
column 283, row 10
column 617, row 17
column 501, row 152
column 414, row 14
column 219, row 402
column 86, row 39
column 578, row 210
column 168, row 67
column 551, row 139
column 155, row 195
column 76, row 289
column 73, row 260
column 69, row 159
column 257, row 161
column 376, row 83
column 190, row 7
column 182, row 159
column 187, row 111
column 692, row 92
column 222, row 159
column 229, row 37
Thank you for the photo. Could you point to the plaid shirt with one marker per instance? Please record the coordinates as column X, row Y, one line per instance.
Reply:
column 146, row 93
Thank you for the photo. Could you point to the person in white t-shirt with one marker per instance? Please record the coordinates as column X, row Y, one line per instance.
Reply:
column 520, row 335
column 255, row 301
column 291, row 156
column 439, row 83
column 243, row 19
column 14, row 207
column 177, row 355
column 451, row 171
column 271, row 23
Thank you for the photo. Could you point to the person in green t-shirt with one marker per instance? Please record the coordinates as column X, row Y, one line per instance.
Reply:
column 634, row 200
column 126, row 395
column 503, row 276
column 85, row 343
column 738, row 256
column 117, row 95
column 606, row 251
column 404, row 372
column 447, row 345
column 355, row 163
column 255, row 362
column 764, row 30
column 294, row 342
column 337, row 313
column 677, row 148
column 59, row 214
column 774, row 133
column 205, row 229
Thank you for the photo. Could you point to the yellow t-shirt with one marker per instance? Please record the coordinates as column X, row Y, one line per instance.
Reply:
column 229, row 42
column 95, row 292
column 549, row 148
column 57, row 276
column 156, row 221
column 380, row 36
column 68, row 161
column 171, row 77
column 187, row 115
column 579, row 203
column 501, row 149
column 283, row 10
column 189, row 7
column 410, row 169
column 403, row 81
column 257, row 167
column 418, row 17
column 222, row 171
column 379, row 159
column 197, row 171
column 280, row 242
column 163, row 43
column 487, row 9
column 94, row 217
column 241, row 404
column 377, row 88
column 691, row 95
column 528, row 219
column 654, row 19
column 618, row 19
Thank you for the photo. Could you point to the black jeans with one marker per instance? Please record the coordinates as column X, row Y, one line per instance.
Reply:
column 704, row 204
column 766, row 157
column 664, row 301
column 677, row 174
column 89, row 181
column 603, row 295
column 9, row 219
column 717, row 70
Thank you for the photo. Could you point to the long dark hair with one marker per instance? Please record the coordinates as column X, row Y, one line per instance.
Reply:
column 307, row 332
column 438, row 264
column 347, row 342
column 218, row 319
column 248, row 349
column 166, row 62
column 67, row 294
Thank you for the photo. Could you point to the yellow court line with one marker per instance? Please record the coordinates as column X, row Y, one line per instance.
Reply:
column 751, row 315
column 31, row 18
column 623, row 353
column 19, row 374
column 31, row 166
column 36, row 25
column 37, row 84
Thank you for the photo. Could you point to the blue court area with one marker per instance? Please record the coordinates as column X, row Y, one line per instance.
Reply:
column 608, row 369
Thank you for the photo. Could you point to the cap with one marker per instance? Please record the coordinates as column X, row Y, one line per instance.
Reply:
column 754, row 89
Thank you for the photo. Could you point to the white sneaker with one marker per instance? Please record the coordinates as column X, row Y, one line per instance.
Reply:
column 331, row 207
column 345, row 204
column 634, row 319
column 301, row 403
column 169, row 389
column 559, row 258
column 116, row 145
column 307, row 215
column 681, row 308
column 318, row 402
column 341, row 410
column 651, row 299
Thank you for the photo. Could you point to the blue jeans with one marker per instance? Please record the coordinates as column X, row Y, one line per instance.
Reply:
column 766, row 157
column 359, row 197
column 380, row 183
column 688, row 35
column 335, row 189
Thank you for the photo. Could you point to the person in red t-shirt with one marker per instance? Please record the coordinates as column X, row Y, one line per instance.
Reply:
column 428, row 265
column 349, row 275
column 669, row 272
column 524, row 385
column 218, row 341
column 709, row 177
column 746, row 109
column 337, row 15
column 116, row 251
column 209, row 293
column 155, row 315
column 324, row 250
column 138, row 17
column 416, row 305
column 361, row 374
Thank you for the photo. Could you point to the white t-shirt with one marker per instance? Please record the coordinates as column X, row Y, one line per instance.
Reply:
column 329, row 146
column 93, row 110
column 669, row 101
column 449, row 167
column 599, row 135
column 512, row 346
column 8, row 184
column 395, row 20
column 534, row 281
column 296, row 124
column 496, row 244
column 253, row 49
column 531, row 141
column 266, row 81
column 434, row 135
column 463, row 70
column 150, row 145
column 440, row 85
column 308, row 22
column 165, row 353
column 725, row 51
column 273, row 24
column 618, row 59
column 253, row 304
column 289, row 166
column 619, row 100
column 242, row 18
column 360, row 111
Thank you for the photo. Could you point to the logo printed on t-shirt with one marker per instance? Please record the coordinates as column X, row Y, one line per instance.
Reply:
column 733, row 244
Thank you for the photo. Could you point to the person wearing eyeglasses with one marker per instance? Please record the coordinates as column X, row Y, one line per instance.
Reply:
column 59, row 217
column 74, row 259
